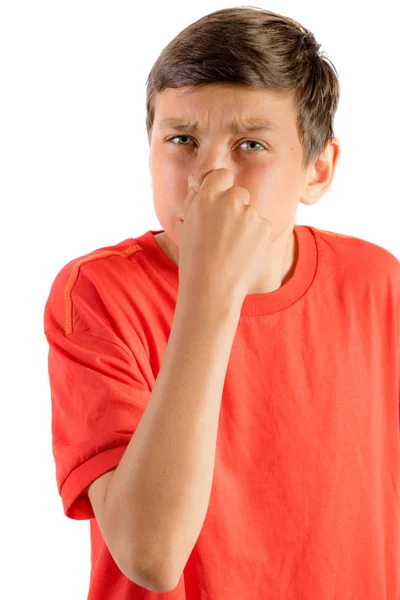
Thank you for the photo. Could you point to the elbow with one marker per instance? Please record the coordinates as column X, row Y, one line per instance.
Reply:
column 158, row 577
column 149, row 581
column 160, row 584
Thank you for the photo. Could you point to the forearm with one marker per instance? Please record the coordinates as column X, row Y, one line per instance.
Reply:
column 160, row 491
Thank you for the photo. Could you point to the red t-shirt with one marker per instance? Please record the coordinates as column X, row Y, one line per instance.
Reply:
column 305, row 501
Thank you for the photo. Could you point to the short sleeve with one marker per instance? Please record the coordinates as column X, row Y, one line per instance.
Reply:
column 98, row 396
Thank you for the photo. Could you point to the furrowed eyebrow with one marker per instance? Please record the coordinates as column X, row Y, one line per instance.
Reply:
column 248, row 126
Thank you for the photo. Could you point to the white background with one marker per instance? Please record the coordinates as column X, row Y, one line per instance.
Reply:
column 74, row 177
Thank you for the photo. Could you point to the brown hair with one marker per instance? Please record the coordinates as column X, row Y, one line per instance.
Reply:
column 262, row 50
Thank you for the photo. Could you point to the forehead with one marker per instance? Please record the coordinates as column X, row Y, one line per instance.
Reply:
column 232, row 104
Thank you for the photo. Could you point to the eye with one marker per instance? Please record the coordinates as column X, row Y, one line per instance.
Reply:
column 189, row 138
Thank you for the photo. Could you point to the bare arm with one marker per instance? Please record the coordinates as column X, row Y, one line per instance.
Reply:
column 159, row 493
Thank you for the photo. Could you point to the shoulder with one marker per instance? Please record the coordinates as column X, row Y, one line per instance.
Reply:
column 86, row 281
column 357, row 250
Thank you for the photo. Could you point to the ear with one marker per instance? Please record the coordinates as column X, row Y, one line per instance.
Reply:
column 320, row 174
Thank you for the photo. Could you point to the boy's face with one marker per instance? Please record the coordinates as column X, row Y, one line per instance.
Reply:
column 266, row 163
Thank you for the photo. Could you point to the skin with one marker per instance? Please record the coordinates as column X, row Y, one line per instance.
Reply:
column 268, row 164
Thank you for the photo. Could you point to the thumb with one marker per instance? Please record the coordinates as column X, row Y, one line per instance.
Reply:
column 193, row 188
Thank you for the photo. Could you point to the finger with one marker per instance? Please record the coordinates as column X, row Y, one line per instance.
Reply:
column 191, row 193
